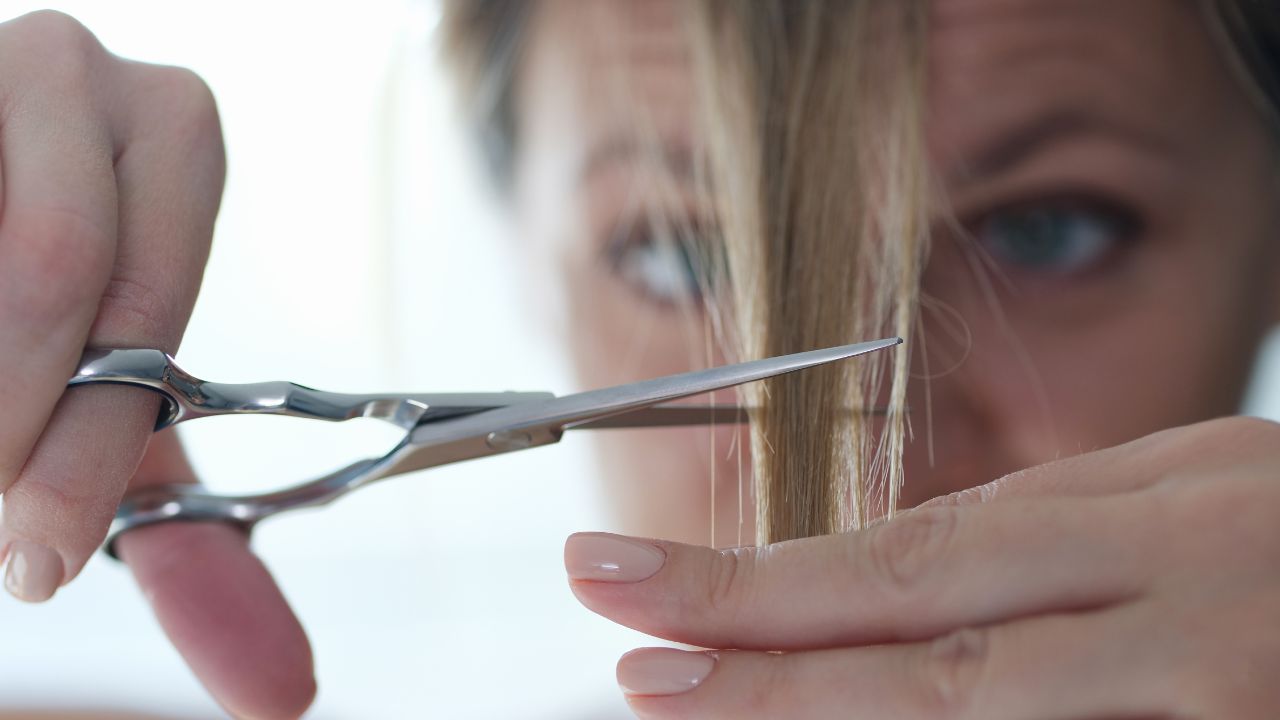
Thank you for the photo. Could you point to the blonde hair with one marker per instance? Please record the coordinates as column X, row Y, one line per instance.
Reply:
column 813, row 117
column 817, row 175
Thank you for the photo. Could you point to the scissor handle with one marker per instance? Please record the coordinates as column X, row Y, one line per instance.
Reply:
column 187, row 396
column 485, row 428
column 194, row 502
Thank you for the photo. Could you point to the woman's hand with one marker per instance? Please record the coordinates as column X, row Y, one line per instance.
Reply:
column 110, row 179
column 1139, row 581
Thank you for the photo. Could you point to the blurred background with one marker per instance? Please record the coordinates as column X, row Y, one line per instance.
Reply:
column 357, row 251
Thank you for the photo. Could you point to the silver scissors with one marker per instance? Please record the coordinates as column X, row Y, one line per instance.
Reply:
column 439, row 429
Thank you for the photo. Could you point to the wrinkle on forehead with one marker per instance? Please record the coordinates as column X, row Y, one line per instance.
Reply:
column 627, row 62
column 633, row 44
column 1140, row 62
column 599, row 77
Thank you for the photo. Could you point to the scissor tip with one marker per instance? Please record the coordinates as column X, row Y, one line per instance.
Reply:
column 868, row 346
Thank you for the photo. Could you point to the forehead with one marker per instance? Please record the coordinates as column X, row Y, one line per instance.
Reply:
column 988, row 58
column 602, row 61
column 1142, row 63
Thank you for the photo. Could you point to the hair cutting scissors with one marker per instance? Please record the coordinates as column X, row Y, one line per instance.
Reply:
column 439, row 429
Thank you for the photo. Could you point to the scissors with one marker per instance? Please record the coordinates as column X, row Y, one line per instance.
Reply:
column 439, row 429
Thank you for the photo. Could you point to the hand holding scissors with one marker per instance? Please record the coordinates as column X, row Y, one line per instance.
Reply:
column 218, row 603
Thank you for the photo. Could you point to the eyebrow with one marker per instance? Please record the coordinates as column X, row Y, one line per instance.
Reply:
column 677, row 157
column 1005, row 153
column 1013, row 148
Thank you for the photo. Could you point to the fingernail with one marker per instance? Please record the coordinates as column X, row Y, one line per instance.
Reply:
column 34, row 573
column 663, row 671
column 611, row 558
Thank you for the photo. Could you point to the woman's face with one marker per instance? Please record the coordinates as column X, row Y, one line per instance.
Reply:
column 1116, row 189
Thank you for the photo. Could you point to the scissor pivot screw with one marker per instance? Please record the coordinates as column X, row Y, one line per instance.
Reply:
column 504, row 440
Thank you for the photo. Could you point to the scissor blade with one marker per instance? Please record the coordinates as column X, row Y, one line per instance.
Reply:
column 677, row 415
column 597, row 404
column 531, row 424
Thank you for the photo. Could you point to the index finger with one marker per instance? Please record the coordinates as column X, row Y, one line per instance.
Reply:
column 916, row 577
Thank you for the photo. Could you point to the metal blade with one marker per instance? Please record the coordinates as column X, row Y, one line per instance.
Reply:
column 678, row 415
column 533, row 424
column 599, row 404
column 594, row 405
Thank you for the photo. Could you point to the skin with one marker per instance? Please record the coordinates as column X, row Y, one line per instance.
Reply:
column 111, row 178
column 1126, row 594
column 1130, row 104
column 578, row 180
column 1029, row 595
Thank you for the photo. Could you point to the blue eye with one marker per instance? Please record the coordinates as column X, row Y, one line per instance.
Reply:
column 1054, row 239
column 666, row 270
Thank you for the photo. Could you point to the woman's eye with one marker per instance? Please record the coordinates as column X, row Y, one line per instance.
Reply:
column 668, row 270
column 1054, row 238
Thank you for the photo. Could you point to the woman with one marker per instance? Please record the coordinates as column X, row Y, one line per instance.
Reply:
column 1115, row 164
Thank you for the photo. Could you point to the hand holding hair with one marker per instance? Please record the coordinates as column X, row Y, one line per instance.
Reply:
column 1137, row 581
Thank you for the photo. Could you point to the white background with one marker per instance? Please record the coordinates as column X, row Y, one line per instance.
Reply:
column 355, row 252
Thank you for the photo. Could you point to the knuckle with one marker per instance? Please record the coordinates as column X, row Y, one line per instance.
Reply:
column 137, row 310
column 188, row 104
column 1246, row 432
column 727, row 583
column 1220, row 525
column 1204, row 441
column 952, row 672
column 1219, row 504
column 59, row 261
column 58, row 44
column 772, row 686
column 180, row 113
column 902, row 552
column 189, row 94
column 1244, row 425
column 62, row 505
column 57, row 30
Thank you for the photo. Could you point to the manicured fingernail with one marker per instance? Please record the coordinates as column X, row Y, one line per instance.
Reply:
column 663, row 671
column 34, row 573
column 611, row 558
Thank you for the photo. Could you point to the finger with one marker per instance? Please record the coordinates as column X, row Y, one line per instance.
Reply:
column 1062, row 666
column 219, row 605
column 58, row 511
column 169, row 175
column 221, row 609
column 916, row 577
column 1132, row 466
column 58, row 225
